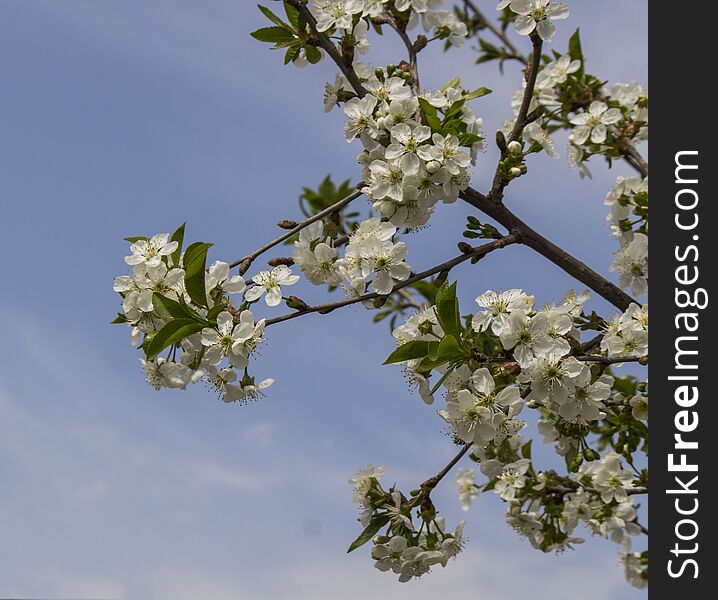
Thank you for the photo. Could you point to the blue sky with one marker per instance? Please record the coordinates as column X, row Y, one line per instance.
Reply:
column 127, row 118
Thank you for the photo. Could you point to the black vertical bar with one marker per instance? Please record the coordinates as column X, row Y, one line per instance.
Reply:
column 683, row 248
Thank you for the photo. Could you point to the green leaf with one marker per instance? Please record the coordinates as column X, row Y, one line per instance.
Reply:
column 172, row 333
column 292, row 53
column 277, row 35
column 575, row 51
column 292, row 15
column 430, row 115
column 271, row 16
column 408, row 351
column 526, row 449
column 314, row 55
column 454, row 110
column 447, row 310
column 467, row 139
column 178, row 236
column 194, row 266
column 120, row 318
column 452, row 83
column 376, row 523
column 168, row 309
column 447, row 350
column 135, row 238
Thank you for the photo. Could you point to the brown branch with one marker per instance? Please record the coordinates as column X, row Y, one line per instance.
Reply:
column 531, row 76
column 325, row 43
column 558, row 256
column 246, row 261
column 514, row 52
column 432, row 482
column 328, row 307
column 411, row 50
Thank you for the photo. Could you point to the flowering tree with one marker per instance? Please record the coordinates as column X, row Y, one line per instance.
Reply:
column 197, row 323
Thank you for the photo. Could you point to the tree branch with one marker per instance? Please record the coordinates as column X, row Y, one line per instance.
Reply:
column 531, row 76
column 558, row 256
column 432, row 482
column 285, row 236
column 514, row 52
column 325, row 43
column 328, row 307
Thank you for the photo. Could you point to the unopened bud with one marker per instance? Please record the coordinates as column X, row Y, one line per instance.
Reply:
column 501, row 141
column 590, row 454
column 380, row 301
column 432, row 166
column 244, row 266
column 381, row 122
column 287, row 224
column 420, row 43
column 380, row 72
column 280, row 260
column 296, row 303
column 515, row 148
column 465, row 248
column 515, row 172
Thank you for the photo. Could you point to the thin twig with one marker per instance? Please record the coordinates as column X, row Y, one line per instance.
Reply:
column 531, row 76
column 432, row 482
column 285, row 236
column 514, row 52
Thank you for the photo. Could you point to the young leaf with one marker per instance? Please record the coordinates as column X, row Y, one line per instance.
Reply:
column 408, row 351
column 278, row 35
column 430, row 115
column 120, row 318
column 135, row 238
column 447, row 310
column 271, row 16
column 526, row 449
column 168, row 309
column 376, row 523
column 194, row 266
column 448, row 350
column 178, row 236
column 172, row 333
column 575, row 51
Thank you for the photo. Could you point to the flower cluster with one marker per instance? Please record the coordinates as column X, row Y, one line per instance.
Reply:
column 171, row 304
column 546, row 508
column 371, row 257
column 627, row 334
column 402, row 549
column 408, row 164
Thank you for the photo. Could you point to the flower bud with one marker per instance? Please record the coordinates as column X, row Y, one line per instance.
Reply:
column 280, row 260
column 296, row 303
column 432, row 166
column 515, row 172
column 514, row 148
column 381, row 122
column 590, row 454
column 287, row 224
